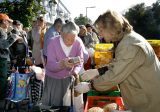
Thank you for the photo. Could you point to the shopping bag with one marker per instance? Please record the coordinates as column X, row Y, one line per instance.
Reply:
column 19, row 86
column 11, row 86
column 78, row 103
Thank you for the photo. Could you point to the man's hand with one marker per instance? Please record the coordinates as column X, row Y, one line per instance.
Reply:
column 82, row 87
column 89, row 74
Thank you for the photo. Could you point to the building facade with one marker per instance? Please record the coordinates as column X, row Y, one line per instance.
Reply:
column 55, row 9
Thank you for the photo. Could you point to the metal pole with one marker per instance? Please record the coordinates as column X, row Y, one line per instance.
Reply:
column 87, row 8
column 86, row 12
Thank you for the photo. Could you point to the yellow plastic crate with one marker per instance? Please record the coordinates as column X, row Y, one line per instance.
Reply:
column 103, row 47
column 156, row 46
column 102, row 58
column 154, row 42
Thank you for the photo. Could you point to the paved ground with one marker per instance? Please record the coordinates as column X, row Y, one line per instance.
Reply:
column 23, row 107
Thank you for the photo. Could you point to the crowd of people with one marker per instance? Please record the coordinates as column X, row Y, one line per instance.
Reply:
column 64, row 48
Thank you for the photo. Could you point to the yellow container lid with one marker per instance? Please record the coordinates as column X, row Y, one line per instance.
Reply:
column 103, row 47
column 154, row 42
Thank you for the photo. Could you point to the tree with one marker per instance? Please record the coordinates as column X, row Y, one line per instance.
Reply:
column 145, row 20
column 22, row 10
column 135, row 15
column 82, row 20
column 156, row 13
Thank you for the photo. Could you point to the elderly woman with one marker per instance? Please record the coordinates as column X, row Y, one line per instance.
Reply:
column 135, row 68
column 60, row 66
column 86, row 37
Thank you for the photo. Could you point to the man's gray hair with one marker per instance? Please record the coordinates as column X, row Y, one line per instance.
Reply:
column 70, row 27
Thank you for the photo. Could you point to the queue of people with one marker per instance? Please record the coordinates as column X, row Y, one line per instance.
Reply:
column 65, row 48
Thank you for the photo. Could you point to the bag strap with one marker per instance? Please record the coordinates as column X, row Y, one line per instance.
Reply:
column 71, row 87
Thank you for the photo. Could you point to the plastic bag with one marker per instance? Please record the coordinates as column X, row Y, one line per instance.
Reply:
column 78, row 103
column 40, row 73
column 67, row 99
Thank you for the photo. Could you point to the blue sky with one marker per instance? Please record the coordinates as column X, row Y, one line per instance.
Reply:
column 77, row 7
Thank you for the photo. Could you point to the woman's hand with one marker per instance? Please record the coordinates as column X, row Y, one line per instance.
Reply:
column 65, row 63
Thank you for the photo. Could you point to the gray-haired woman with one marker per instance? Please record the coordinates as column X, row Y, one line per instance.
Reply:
column 59, row 67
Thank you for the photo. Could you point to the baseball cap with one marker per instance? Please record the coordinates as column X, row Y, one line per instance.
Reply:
column 5, row 17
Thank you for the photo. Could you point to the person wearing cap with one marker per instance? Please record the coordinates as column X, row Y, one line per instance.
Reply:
column 5, row 42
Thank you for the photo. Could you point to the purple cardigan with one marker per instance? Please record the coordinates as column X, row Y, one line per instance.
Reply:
column 55, row 54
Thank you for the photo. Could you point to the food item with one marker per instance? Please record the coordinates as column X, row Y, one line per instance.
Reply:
column 95, row 109
column 110, row 107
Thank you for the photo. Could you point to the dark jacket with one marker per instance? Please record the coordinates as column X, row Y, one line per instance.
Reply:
column 19, row 50
column 6, row 40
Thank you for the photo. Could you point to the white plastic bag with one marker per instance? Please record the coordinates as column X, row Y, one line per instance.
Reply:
column 67, row 98
column 78, row 103
column 40, row 73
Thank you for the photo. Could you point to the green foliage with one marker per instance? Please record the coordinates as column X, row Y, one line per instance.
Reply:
column 82, row 20
column 145, row 20
column 22, row 10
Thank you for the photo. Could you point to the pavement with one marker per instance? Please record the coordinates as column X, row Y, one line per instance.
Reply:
column 23, row 107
